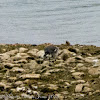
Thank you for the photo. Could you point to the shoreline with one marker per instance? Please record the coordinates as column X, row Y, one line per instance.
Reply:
column 24, row 73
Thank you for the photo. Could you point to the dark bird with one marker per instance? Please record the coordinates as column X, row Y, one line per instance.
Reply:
column 51, row 51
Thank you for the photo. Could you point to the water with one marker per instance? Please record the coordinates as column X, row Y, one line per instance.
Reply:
column 53, row 21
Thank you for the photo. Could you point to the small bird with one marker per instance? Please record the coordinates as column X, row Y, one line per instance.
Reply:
column 51, row 51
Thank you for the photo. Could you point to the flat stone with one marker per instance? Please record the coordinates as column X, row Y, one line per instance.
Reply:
column 79, row 88
column 16, row 69
column 77, row 81
column 30, row 76
column 52, row 87
column 77, row 75
column 18, row 83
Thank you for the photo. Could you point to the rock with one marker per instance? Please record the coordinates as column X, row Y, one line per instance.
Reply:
column 79, row 58
column 22, row 50
column 34, row 87
column 65, row 54
column 78, row 82
column 21, row 61
column 12, row 79
column 19, row 89
column 82, row 68
column 4, row 56
column 18, row 70
column 79, row 65
column 89, row 59
column 94, row 71
column 96, row 62
column 70, row 60
column 12, row 52
column 79, row 88
column 52, row 87
column 30, row 76
column 87, row 89
column 29, row 91
column 77, row 75
column 74, row 50
column 20, row 56
column 40, row 54
column 1, row 66
column 2, row 86
column 55, row 70
column 24, row 95
column 10, row 65
column 33, row 52
column 32, row 65
column 67, row 84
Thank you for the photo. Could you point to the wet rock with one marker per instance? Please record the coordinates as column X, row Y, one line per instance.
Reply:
column 30, row 76
column 22, row 50
column 79, row 88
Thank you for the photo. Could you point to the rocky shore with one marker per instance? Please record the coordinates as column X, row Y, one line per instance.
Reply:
column 25, row 75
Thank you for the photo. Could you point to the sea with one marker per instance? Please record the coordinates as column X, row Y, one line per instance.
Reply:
column 50, row 21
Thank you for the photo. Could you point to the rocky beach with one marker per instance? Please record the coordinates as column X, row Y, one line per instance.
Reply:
column 25, row 75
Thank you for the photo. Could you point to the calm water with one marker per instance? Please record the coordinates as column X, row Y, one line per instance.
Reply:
column 54, row 21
